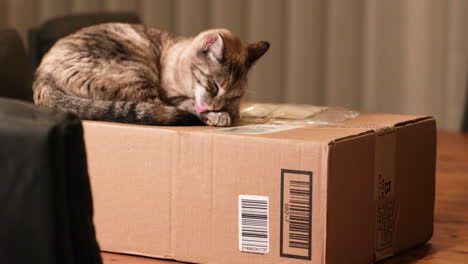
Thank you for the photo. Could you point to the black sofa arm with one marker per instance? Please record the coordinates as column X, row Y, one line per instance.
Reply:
column 45, row 194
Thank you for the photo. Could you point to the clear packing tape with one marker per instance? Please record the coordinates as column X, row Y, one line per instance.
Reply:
column 293, row 114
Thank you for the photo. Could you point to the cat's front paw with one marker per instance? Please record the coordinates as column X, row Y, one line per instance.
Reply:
column 216, row 118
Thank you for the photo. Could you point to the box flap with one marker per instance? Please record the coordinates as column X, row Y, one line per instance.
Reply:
column 377, row 123
column 400, row 153
column 362, row 124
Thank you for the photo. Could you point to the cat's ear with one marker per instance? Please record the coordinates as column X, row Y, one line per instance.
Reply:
column 255, row 51
column 214, row 46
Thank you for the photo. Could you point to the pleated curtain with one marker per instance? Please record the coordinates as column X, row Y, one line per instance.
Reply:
column 396, row 56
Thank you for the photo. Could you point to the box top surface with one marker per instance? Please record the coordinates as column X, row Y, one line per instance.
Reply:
column 362, row 124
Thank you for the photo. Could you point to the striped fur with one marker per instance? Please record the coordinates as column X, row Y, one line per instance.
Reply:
column 137, row 74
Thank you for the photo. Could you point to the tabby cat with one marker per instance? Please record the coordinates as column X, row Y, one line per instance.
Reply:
column 138, row 74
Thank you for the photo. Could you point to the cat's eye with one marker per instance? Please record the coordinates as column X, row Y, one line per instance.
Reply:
column 196, row 79
column 213, row 88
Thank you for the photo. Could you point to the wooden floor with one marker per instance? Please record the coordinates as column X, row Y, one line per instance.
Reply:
column 450, row 242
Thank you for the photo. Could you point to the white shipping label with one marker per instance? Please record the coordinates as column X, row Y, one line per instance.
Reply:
column 255, row 129
column 254, row 233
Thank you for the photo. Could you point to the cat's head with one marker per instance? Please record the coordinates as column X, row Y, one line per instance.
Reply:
column 220, row 68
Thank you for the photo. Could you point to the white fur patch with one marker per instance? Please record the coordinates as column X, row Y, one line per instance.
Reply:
column 199, row 92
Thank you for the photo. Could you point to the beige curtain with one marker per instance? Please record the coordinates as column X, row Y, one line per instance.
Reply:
column 397, row 56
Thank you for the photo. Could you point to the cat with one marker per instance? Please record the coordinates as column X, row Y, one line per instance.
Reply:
column 137, row 74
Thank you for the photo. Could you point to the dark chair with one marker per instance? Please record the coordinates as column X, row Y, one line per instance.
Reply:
column 46, row 211
column 15, row 70
column 41, row 39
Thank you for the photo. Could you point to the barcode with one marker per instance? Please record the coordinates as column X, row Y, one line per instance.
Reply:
column 253, row 224
column 299, row 212
column 296, row 214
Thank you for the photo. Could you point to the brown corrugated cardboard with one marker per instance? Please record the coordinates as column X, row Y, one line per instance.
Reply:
column 353, row 192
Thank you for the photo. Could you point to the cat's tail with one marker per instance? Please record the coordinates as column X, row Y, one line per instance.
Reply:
column 48, row 93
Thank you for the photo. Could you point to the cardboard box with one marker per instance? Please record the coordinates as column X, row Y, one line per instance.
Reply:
column 353, row 192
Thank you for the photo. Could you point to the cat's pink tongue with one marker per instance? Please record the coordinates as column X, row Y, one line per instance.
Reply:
column 200, row 109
